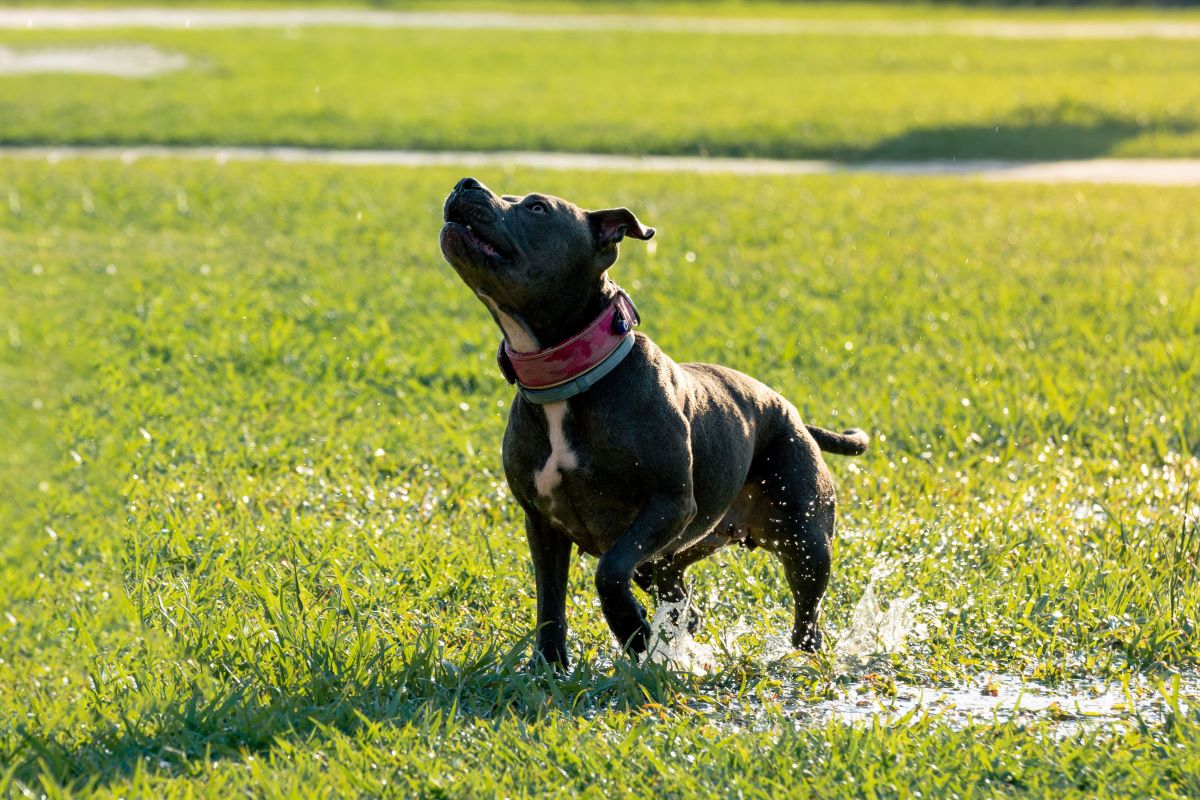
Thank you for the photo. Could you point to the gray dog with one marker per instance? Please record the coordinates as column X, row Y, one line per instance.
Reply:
column 611, row 446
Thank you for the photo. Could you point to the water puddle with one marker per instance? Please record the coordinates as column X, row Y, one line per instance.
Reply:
column 1001, row 698
column 860, row 696
column 117, row 61
column 983, row 700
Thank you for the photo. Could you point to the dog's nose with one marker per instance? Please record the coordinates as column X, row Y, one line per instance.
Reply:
column 467, row 183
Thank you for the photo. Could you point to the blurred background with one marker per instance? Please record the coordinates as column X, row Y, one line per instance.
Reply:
column 783, row 80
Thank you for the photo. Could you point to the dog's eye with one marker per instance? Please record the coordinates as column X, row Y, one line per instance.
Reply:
column 537, row 208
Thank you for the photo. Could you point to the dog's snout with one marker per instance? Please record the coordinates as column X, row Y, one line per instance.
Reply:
column 470, row 203
column 467, row 183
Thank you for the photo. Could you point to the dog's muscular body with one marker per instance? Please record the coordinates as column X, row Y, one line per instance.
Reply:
column 658, row 464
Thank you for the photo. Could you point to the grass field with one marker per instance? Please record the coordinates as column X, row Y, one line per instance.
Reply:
column 260, row 542
column 847, row 97
column 257, row 540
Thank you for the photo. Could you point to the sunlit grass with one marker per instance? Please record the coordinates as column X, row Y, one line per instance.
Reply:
column 845, row 97
column 257, row 532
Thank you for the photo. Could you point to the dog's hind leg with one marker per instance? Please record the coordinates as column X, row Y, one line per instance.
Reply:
column 794, row 520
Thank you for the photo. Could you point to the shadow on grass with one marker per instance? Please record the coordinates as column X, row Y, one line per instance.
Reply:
column 242, row 716
column 1065, row 131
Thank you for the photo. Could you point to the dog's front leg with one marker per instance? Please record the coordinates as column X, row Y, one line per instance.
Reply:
column 659, row 524
column 551, row 566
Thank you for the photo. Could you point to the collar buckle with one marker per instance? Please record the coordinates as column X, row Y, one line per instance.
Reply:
column 627, row 316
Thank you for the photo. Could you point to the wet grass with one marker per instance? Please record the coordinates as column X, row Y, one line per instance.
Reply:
column 257, row 539
column 843, row 97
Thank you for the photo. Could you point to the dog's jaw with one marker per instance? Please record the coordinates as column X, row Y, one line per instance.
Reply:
column 519, row 337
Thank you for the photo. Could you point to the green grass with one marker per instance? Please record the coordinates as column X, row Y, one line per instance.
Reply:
column 849, row 98
column 257, row 539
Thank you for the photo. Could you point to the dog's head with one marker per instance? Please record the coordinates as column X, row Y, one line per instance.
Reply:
column 538, row 258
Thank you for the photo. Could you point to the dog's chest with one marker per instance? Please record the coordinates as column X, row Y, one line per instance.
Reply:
column 563, row 484
column 562, row 457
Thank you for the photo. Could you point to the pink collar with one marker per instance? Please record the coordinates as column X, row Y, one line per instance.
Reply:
column 599, row 344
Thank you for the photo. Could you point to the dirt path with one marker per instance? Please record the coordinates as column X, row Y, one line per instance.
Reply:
column 179, row 18
column 1153, row 172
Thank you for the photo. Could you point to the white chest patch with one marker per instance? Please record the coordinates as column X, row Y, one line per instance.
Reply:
column 546, row 479
column 561, row 457
column 519, row 337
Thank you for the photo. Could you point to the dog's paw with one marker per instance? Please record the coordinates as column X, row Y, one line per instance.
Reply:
column 543, row 660
column 637, row 643
column 809, row 639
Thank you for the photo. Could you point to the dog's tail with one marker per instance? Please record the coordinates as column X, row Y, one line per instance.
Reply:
column 848, row 443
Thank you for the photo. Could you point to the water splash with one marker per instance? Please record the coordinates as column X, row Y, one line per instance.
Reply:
column 672, row 644
column 875, row 630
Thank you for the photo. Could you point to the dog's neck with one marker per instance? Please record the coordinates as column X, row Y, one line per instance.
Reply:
column 526, row 333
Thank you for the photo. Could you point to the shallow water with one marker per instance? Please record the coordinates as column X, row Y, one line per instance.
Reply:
column 117, row 61
column 985, row 699
column 880, row 628
column 999, row 698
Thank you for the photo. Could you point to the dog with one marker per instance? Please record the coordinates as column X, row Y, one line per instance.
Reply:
column 614, row 448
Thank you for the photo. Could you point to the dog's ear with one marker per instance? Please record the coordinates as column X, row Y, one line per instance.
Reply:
column 611, row 225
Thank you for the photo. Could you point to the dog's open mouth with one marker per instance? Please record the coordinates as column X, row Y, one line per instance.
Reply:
column 461, row 224
column 483, row 246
